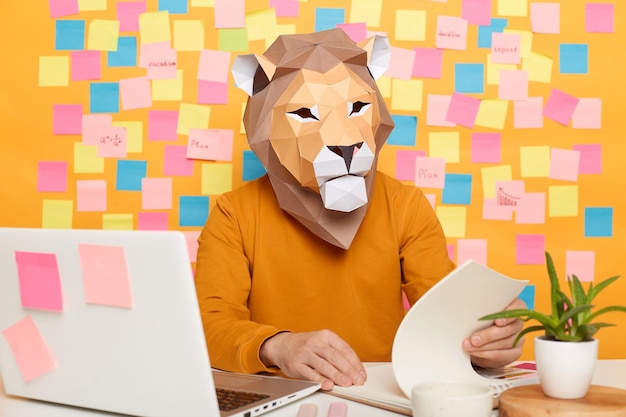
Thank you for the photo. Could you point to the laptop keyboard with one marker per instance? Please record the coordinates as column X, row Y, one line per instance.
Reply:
column 230, row 399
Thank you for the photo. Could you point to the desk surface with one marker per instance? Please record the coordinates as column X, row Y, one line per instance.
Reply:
column 608, row 372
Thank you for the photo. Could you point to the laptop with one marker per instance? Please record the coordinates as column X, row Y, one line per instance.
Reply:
column 109, row 320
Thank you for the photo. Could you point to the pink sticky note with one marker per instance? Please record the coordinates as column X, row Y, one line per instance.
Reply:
column 176, row 163
column 356, row 31
column 493, row 211
column 156, row 193
column 560, row 107
column 285, row 8
column 564, row 164
column 211, row 92
column 86, row 65
column 450, row 248
column 67, row 119
column 61, row 8
column 192, row 244
column 105, row 275
column 427, row 63
column 113, row 143
column 214, row 65
column 590, row 158
column 29, row 348
column 528, row 113
column 531, row 209
column 580, row 263
column 91, row 195
column 210, row 144
column 475, row 249
column 40, row 281
column 52, row 176
column 401, row 63
column 135, row 93
column 162, row 125
column 509, row 194
column 451, row 33
column 513, row 85
column 545, row 17
column 432, row 199
column 437, row 110
column 94, row 126
column 152, row 221
column 128, row 15
column 229, row 14
column 477, row 12
column 599, row 17
column 486, row 147
column 405, row 164
column 463, row 110
column 588, row 114
column 530, row 249
column 159, row 59
column 506, row 48
column 430, row 172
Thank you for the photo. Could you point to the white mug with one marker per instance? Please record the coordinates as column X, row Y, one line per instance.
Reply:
column 451, row 399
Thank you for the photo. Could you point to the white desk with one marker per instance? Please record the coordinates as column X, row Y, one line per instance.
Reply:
column 608, row 372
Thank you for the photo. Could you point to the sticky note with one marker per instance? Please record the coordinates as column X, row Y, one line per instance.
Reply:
column 86, row 65
column 262, row 25
column 156, row 193
column 401, row 63
column 453, row 220
column 235, row 40
column 152, row 221
column 545, row 17
column 598, row 221
column 252, row 166
column 162, row 125
column 407, row 94
column 29, row 348
column 128, row 15
column 437, row 110
column 492, row 113
column 229, row 14
column 216, row 178
column 54, row 71
column 368, row 11
column 134, row 134
column 191, row 238
column 526, row 36
column 174, row 6
column 57, row 214
column 428, row 63
column 40, row 280
column 580, row 263
column 512, row 8
column 539, row 67
column 328, row 18
column 475, row 249
column 469, row 78
column 457, row 189
column 106, row 279
column 52, row 176
column 528, row 113
column 451, row 33
column 211, row 92
column 129, row 175
column 599, row 17
column 530, row 249
column 535, row 161
column 113, row 143
column 192, row 116
column 188, row 35
column 155, row 27
column 405, row 131
column 92, row 5
column 405, row 164
column 126, row 54
column 356, row 31
column 210, row 144
column 476, row 12
column 509, row 193
column 168, row 89
column 493, row 211
column 193, row 210
column 69, row 35
column 86, row 159
column 159, row 59
column 590, row 158
column 493, row 70
column 513, row 85
column 531, row 209
column 485, row 32
column 528, row 297
column 560, row 106
column 444, row 145
column 573, row 58
column 486, row 147
column 67, row 119
column 119, row 221
column 214, row 65
column 462, row 110
column 176, row 163
column 564, row 164
column 506, row 48
column 588, row 114
column 430, row 172
column 94, row 127
column 410, row 25
column 91, row 195
column 563, row 201
column 135, row 93
column 104, row 97
column 491, row 175
column 103, row 34
column 61, row 8
column 285, row 8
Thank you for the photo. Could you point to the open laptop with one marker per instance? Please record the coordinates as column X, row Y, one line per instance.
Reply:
column 109, row 320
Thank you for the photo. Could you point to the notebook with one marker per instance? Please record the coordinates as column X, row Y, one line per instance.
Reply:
column 109, row 320
column 427, row 345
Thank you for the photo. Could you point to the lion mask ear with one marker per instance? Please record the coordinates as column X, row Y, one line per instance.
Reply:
column 378, row 54
column 252, row 72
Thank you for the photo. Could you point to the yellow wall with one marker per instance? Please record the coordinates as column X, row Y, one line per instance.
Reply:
column 26, row 138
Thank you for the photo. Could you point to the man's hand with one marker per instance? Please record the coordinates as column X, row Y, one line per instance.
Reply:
column 319, row 356
column 493, row 347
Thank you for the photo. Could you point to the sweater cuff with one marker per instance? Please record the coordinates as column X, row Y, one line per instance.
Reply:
column 250, row 352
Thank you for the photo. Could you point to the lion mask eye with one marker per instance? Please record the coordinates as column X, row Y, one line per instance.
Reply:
column 305, row 114
column 358, row 108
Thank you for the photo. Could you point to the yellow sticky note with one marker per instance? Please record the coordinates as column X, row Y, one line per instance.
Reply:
column 54, row 71
column 407, row 94
column 57, row 214
column 192, row 116
column 91, row 5
column 271, row 35
column 444, row 145
column 202, row 3
column 513, row 7
column 563, row 201
column 539, row 67
column 492, row 113
column 367, row 11
column 491, row 175
column 526, row 45
column 453, row 220
column 242, row 127
column 535, row 161
column 103, row 35
column 134, row 135
column 410, row 25
column 117, row 221
column 384, row 85
column 86, row 159
column 154, row 27
column 259, row 23
column 188, row 35
column 493, row 71
column 217, row 178
column 168, row 89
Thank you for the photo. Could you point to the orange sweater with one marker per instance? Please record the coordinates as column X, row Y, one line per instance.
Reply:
column 259, row 271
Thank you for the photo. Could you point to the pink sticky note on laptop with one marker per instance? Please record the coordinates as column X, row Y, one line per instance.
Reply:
column 40, row 281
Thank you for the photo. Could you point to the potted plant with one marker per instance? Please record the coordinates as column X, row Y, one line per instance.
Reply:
column 566, row 353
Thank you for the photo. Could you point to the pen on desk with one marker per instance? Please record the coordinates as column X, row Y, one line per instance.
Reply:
column 338, row 409
column 307, row 410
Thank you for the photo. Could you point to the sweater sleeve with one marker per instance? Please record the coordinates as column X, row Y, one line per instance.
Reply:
column 223, row 285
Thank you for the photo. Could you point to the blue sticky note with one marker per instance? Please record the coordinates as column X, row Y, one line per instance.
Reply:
column 469, row 78
column 485, row 32
column 528, row 296
column 457, row 189
column 252, row 167
column 573, row 58
column 70, row 35
column 129, row 174
column 327, row 18
column 104, row 97
column 193, row 210
column 598, row 221
column 173, row 6
column 405, row 131
column 126, row 54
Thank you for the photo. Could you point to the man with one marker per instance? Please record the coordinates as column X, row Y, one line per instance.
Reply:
column 302, row 271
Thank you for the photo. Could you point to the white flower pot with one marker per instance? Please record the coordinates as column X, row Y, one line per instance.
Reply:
column 565, row 369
